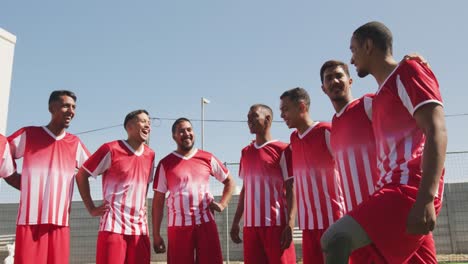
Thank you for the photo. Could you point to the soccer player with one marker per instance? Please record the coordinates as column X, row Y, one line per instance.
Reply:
column 127, row 170
column 267, row 197
column 409, row 127
column 316, row 179
column 50, row 158
column 184, row 173
column 7, row 167
column 352, row 139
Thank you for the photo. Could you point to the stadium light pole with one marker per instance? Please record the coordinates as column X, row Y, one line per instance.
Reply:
column 203, row 102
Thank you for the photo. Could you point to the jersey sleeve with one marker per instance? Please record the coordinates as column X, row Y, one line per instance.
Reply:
column 99, row 162
column 218, row 170
column 327, row 142
column 17, row 143
column 82, row 154
column 417, row 86
column 368, row 106
column 7, row 167
column 286, row 163
column 241, row 166
column 153, row 168
column 160, row 179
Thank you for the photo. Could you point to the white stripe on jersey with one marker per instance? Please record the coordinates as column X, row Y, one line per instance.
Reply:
column 404, row 166
column 267, row 204
column 318, row 207
column 301, row 199
column 392, row 157
column 344, row 176
column 327, row 199
column 256, row 198
column 405, row 99
column 367, row 169
column 354, row 175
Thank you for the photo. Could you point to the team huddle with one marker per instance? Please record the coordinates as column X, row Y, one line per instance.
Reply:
column 366, row 188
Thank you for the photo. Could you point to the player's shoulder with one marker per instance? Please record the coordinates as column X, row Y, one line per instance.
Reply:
column 323, row 126
column 149, row 150
column 277, row 144
column 203, row 154
column 414, row 66
column 249, row 146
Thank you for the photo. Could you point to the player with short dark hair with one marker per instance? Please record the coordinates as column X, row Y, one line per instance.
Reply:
column 185, row 173
column 409, row 128
column 50, row 157
column 267, row 197
column 316, row 179
column 127, row 169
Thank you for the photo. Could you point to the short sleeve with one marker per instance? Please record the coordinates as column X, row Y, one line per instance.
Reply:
column 99, row 162
column 286, row 163
column 82, row 154
column 153, row 168
column 17, row 143
column 218, row 170
column 367, row 101
column 327, row 142
column 7, row 166
column 241, row 171
column 160, row 179
column 417, row 86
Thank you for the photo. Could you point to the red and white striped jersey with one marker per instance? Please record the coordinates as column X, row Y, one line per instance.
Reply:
column 353, row 144
column 186, row 179
column 318, row 187
column 126, row 174
column 48, row 173
column 264, row 170
column 6, row 162
column 399, row 141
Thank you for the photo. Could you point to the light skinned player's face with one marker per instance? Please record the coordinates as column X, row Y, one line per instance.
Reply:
column 139, row 128
column 63, row 111
column 337, row 84
column 290, row 112
column 256, row 120
column 184, row 136
column 359, row 57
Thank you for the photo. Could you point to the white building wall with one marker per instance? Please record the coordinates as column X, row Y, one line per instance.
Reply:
column 7, row 49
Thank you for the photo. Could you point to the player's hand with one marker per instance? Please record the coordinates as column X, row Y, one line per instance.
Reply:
column 100, row 210
column 218, row 207
column 158, row 245
column 422, row 217
column 286, row 237
column 235, row 229
column 418, row 57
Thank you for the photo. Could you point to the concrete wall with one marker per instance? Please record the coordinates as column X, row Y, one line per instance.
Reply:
column 7, row 49
column 451, row 234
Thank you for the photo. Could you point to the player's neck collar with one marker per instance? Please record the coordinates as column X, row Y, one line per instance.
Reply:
column 193, row 152
column 59, row 137
column 264, row 144
column 137, row 153
column 344, row 108
column 301, row 136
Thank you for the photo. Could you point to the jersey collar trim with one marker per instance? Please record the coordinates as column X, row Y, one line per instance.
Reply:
column 59, row 137
column 264, row 144
column 307, row 131
column 388, row 77
column 137, row 153
column 344, row 108
column 185, row 157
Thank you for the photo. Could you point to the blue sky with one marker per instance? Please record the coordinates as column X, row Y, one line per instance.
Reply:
column 164, row 56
